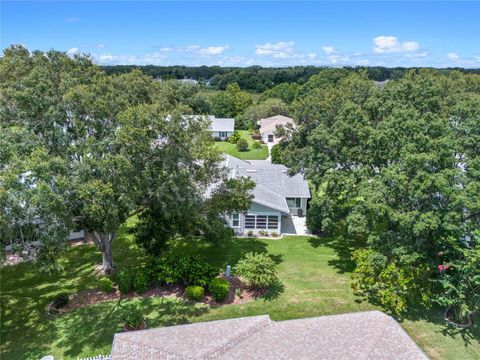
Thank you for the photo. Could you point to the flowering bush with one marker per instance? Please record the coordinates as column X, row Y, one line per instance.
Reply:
column 459, row 282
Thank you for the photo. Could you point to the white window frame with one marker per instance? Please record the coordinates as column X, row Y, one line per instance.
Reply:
column 267, row 221
column 237, row 220
column 298, row 202
column 222, row 134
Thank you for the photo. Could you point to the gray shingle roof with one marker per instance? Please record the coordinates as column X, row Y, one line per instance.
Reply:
column 369, row 335
column 274, row 185
column 222, row 124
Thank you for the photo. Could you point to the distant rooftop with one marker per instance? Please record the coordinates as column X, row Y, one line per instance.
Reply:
column 222, row 124
column 369, row 335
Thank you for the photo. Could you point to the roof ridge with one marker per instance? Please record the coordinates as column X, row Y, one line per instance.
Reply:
column 263, row 321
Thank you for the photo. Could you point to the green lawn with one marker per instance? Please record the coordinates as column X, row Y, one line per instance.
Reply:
column 313, row 274
column 251, row 154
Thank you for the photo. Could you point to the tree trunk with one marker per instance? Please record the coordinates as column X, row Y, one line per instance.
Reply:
column 104, row 243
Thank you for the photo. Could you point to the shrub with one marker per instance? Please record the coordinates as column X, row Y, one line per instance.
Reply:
column 131, row 316
column 125, row 281
column 194, row 293
column 219, row 288
column 256, row 137
column 393, row 285
column 234, row 138
column 274, row 234
column 276, row 154
column 257, row 145
column 262, row 233
column 190, row 270
column 242, row 144
column 258, row 270
column 105, row 285
column 60, row 301
column 250, row 233
column 141, row 280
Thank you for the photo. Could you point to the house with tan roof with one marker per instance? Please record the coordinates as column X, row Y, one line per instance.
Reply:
column 269, row 125
column 369, row 335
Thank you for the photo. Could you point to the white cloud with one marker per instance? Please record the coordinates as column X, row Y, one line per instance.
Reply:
column 328, row 49
column 213, row 50
column 72, row 51
column 108, row 58
column 100, row 46
column 388, row 44
column 453, row 56
column 417, row 55
column 477, row 57
column 282, row 49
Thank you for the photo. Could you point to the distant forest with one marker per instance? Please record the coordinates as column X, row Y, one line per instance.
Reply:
column 257, row 78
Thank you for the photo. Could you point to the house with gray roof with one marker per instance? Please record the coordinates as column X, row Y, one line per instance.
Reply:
column 369, row 335
column 221, row 128
column 278, row 196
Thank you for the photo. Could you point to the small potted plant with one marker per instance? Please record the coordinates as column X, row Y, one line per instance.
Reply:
column 132, row 318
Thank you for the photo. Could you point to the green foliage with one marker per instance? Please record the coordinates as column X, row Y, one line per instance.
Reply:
column 257, row 269
column 194, row 293
column 235, row 137
column 254, row 113
column 274, row 234
column 125, row 281
column 459, row 282
column 131, row 316
column 262, row 233
column 219, row 288
column 242, row 144
column 189, row 270
column 276, row 154
column 141, row 280
column 257, row 145
column 393, row 285
column 384, row 166
column 250, row 233
column 105, row 285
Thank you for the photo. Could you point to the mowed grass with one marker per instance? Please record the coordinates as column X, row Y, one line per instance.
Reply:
column 251, row 154
column 314, row 276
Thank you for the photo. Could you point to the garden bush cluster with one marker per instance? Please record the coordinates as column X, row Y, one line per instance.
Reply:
column 191, row 271
column 219, row 288
column 258, row 270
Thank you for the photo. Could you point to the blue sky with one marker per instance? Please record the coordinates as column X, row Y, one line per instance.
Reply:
column 245, row 33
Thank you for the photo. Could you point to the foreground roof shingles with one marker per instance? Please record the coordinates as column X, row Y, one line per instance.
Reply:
column 369, row 335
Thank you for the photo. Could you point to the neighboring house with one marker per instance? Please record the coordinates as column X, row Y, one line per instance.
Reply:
column 222, row 128
column 268, row 126
column 363, row 335
column 277, row 196
column 188, row 81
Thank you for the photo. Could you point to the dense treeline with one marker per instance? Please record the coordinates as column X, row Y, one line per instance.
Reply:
column 396, row 170
column 257, row 78
column 80, row 149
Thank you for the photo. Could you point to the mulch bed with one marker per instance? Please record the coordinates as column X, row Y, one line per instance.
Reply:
column 89, row 297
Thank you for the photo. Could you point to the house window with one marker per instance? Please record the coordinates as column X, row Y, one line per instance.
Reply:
column 261, row 221
column 222, row 134
column 249, row 221
column 294, row 202
column 272, row 222
column 235, row 220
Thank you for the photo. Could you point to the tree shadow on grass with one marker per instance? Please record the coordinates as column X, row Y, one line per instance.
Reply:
column 89, row 331
column 342, row 246
column 226, row 252
column 470, row 335
column 274, row 292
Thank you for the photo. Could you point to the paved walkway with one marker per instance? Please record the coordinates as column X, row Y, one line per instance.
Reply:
column 269, row 146
column 294, row 225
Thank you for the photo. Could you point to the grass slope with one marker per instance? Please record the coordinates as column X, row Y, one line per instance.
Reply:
column 251, row 154
column 314, row 281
